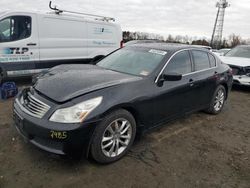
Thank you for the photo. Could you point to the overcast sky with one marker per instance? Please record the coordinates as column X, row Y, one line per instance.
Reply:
column 177, row 17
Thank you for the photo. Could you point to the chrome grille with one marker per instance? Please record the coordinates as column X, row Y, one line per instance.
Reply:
column 33, row 106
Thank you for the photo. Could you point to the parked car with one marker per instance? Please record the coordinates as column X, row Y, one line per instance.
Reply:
column 222, row 51
column 31, row 42
column 239, row 60
column 99, row 109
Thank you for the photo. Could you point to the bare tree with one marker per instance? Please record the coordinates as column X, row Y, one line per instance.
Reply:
column 234, row 40
column 200, row 42
column 170, row 38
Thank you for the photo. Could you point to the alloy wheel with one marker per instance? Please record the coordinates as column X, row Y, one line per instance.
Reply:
column 219, row 100
column 116, row 137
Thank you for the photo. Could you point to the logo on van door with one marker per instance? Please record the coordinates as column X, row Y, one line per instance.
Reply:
column 13, row 54
column 16, row 50
column 101, row 30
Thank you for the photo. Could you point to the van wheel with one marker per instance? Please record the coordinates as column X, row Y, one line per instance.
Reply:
column 218, row 100
column 113, row 137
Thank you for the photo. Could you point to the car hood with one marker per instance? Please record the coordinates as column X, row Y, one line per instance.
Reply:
column 236, row 61
column 66, row 82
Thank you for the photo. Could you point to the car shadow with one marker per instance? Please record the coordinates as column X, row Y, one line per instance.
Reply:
column 241, row 88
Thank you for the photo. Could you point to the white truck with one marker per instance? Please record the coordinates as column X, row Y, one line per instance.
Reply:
column 31, row 42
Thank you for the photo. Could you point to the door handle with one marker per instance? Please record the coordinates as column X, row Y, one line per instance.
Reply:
column 191, row 82
column 31, row 44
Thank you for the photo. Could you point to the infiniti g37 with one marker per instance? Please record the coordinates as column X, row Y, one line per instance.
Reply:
column 97, row 110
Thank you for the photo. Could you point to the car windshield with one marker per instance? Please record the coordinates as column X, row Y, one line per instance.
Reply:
column 135, row 61
column 241, row 51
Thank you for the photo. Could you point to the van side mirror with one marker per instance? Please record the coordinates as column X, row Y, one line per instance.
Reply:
column 172, row 77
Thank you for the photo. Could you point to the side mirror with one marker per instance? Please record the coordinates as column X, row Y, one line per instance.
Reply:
column 168, row 77
column 222, row 54
column 172, row 77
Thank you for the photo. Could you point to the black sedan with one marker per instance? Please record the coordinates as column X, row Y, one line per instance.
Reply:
column 98, row 109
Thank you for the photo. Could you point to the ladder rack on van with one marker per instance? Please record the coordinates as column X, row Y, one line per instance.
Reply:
column 58, row 11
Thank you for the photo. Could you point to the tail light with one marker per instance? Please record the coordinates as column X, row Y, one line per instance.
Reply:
column 121, row 44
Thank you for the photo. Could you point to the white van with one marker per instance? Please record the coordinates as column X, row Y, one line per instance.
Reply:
column 31, row 42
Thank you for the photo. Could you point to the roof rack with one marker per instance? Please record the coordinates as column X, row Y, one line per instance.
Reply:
column 98, row 17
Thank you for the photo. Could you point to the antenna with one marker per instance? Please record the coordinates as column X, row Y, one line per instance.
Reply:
column 59, row 11
column 219, row 22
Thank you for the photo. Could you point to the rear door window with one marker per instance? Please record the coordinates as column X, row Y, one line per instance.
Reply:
column 15, row 28
column 180, row 64
column 201, row 60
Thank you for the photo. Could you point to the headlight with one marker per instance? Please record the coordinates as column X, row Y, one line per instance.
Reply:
column 76, row 113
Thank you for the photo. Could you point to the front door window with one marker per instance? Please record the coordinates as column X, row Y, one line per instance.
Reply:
column 15, row 28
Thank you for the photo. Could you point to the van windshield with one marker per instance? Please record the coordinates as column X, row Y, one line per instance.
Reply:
column 135, row 61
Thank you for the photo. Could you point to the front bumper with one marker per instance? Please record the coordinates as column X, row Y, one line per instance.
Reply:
column 63, row 139
column 241, row 80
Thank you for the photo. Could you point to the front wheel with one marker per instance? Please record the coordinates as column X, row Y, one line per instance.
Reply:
column 218, row 100
column 113, row 137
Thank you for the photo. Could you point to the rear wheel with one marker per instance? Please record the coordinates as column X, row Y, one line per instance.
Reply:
column 218, row 100
column 113, row 137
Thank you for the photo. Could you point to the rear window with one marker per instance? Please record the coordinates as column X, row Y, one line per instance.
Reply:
column 201, row 60
column 212, row 60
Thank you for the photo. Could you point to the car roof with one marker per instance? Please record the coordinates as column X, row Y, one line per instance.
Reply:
column 167, row 46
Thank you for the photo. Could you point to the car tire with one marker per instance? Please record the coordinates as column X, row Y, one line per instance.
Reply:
column 218, row 101
column 113, row 137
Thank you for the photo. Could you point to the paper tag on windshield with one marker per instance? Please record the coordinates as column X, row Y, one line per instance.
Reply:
column 144, row 73
column 160, row 52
